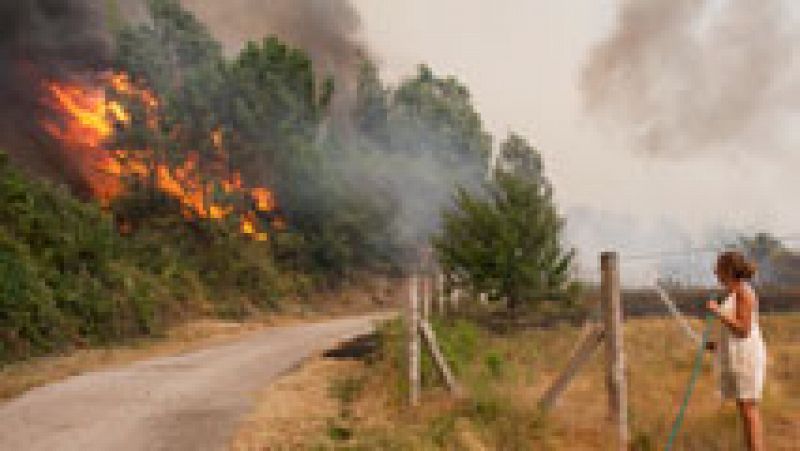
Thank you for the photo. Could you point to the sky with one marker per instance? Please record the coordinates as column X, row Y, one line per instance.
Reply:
column 523, row 61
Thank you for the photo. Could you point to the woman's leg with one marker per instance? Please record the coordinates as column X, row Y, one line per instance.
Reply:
column 751, row 417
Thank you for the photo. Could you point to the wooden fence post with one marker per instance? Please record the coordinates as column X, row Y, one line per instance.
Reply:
column 413, row 341
column 611, row 302
column 424, row 283
column 440, row 293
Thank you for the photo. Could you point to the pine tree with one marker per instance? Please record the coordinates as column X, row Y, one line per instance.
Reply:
column 506, row 239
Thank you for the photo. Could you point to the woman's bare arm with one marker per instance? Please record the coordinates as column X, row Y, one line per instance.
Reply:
column 741, row 322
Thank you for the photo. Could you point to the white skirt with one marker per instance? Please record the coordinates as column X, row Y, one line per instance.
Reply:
column 743, row 363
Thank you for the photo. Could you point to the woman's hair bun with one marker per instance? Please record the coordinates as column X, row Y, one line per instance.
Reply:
column 736, row 265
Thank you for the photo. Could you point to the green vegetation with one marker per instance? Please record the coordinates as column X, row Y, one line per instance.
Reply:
column 506, row 240
column 68, row 279
column 60, row 275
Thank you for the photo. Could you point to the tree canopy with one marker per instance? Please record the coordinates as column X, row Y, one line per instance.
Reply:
column 505, row 241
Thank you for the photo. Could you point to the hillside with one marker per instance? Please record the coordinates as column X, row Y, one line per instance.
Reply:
column 68, row 278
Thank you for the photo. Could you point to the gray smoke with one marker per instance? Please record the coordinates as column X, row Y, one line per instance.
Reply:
column 685, row 76
column 53, row 35
column 44, row 40
column 329, row 31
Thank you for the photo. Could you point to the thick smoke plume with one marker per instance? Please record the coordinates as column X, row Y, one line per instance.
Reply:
column 44, row 40
column 685, row 76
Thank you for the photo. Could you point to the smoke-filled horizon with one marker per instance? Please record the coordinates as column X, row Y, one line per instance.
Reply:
column 692, row 76
column 706, row 82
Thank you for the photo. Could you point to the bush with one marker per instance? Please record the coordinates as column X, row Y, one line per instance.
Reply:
column 29, row 317
column 458, row 341
column 68, row 279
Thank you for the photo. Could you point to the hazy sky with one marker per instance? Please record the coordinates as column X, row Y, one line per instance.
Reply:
column 523, row 60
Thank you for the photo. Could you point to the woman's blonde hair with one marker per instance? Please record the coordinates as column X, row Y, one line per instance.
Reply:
column 736, row 265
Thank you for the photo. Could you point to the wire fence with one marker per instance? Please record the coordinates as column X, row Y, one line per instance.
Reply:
column 688, row 275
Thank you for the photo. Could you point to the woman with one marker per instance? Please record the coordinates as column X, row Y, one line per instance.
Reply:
column 742, row 353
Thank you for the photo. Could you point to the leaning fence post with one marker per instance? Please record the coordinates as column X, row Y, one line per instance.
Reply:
column 611, row 301
column 687, row 328
column 413, row 341
column 588, row 341
column 439, row 360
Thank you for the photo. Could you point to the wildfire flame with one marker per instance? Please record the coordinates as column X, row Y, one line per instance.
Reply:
column 89, row 119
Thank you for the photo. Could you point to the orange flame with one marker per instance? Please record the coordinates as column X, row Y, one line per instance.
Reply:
column 88, row 122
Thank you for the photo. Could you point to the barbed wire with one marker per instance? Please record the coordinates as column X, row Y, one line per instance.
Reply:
column 641, row 269
column 794, row 238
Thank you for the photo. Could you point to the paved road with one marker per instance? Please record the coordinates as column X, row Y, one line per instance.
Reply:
column 187, row 402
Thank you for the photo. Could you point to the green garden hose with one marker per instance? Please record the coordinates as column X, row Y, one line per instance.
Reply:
column 698, row 363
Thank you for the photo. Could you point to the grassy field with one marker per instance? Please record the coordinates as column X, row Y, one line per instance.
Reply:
column 659, row 360
column 506, row 374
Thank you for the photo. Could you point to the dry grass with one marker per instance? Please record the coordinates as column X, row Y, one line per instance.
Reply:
column 659, row 360
column 502, row 413
column 294, row 408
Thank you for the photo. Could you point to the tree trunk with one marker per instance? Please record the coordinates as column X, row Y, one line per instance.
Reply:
column 513, row 302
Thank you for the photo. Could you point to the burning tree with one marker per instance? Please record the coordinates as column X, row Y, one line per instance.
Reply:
column 94, row 116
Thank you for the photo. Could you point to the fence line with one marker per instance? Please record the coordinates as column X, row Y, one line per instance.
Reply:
column 664, row 296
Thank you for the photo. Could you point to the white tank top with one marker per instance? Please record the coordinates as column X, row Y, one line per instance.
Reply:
column 741, row 354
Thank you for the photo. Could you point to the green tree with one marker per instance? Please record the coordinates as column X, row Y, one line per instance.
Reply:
column 777, row 264
column 371, row 111
column 275, row 106
column 518, row 157
column 423, row 138
column 167, row 48
column 433, row 114
column 506, row 240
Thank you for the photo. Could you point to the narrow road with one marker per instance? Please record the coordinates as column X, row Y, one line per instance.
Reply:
column 186, row 402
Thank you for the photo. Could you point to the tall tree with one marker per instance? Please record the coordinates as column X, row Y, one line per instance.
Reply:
column 436, row 114
column 506, row 240
column 371, row 110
